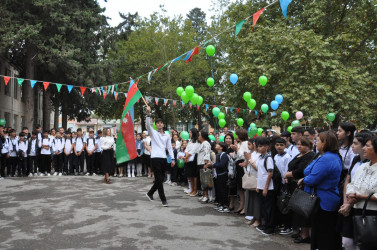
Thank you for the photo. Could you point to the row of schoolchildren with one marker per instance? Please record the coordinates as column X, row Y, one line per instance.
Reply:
column 313, row 160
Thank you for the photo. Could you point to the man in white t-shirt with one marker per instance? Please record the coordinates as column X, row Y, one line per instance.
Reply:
column 296, row 134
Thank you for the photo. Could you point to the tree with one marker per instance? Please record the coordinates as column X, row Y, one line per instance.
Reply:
column 198, row 20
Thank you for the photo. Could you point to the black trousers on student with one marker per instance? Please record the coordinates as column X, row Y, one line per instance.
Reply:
column 22, row 166
column 68, row 164
column 97, row 163
column 90, row 163
column 58, row 162
column 45, row 164
column 174, row 173
column 158, row 167
column 79, row 162
column 32, row 164
column 221, row 189
column 4, row 164
column 13, row 164
column 268, row 209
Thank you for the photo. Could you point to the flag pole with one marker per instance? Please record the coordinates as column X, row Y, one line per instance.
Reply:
column 144, row 101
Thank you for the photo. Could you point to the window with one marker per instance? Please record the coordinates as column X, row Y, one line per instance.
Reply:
column 7, row 118
column 15, row 122
column 181, row 127
column 15, row 87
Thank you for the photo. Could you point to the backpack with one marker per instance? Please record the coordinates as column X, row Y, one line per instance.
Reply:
column 276, row 175
column 94, row 141
column 231, row 166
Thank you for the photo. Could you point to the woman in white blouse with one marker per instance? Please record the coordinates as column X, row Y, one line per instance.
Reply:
column 204, row 157
column 192, row 169
column 107, row 158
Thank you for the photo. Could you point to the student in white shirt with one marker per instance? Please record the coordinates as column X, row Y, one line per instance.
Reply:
column 45, row 145
column 282, row 158
column 22, row 155
column 58, row 148
column 33, row 152
column 13, row 149
column 147, row 154
column 4, row 152
column 90, row 147
column 107, row 159
column 192, row 171
column 345, row 135
column 97, row 155
column 68, row 154
column 78, row 151
column 160, row 142
column 296, row 134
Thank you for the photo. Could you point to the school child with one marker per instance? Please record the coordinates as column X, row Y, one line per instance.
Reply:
column 140, row 152
column 97, row 154
column 174, row 169
column 90, row 147
column 45, row 145
column 33, row 152
column 57, row 148
column 13, row 150
column 22, row 155
column 78, row 151
column 68, row 154
column 4, row 152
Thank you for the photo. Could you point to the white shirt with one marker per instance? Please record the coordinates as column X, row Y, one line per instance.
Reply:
column 177, row 145
column 79, row 143
column 107, row 142
column 46, row 142
column 40, row 136
column 254, row 157
column 355, row 167
column 293, row 151
column 90, row 143
column 204, row 153
column 347, row 156
column 364, row 182
column 58, row 145
column 147, row 140
column 160, row 142
column 23, row 147
column 242, row 148
column 281, row 162
column 263, row 174
column 68, row 146
column 98, row 142
column 5, row 149
column 192, row 149
column 32, row 147
column 13, row 147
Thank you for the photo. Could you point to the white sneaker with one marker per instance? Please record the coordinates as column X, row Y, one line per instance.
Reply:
column 56, row 173
column 129, row 175
column 204, row 200
column 1, row 178
column 166, row 182
column 41, row 174
column 201, row 198
column 94, row 174
column 121, row 175
column 169, row 182
column 133, row 175
column 187, row 191
column 60, row 174
column 30, row 175
column 174, row 184
column 35, row 174
column 87, row 174
column 48, row 174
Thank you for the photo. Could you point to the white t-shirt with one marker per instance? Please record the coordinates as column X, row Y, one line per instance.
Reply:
column 90, row 144
column 347, row 156
column 68, row 145
column 98, row 142
column 22, row 145
column 147, row 140
column 281, row 162
column 293, row 151
column 242, row 148
column 263, row 174
column 58, row 145
column 79, row 143
column 13, row 147
column 32, row 147
column 46, row 142
column 192, row 149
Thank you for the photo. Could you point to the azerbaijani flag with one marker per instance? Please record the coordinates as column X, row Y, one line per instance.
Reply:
column 125, row 145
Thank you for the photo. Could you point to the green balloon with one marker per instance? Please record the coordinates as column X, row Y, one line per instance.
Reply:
column 167, row 132
column 331, row 117
column 285, row 115
column 210, row 81
column 221, row 115
column 200, row 101
column 234, row 135
column 185, row 135
column 264, row 108
column 221, row 138
column 194, row 99
column 252, row 131
column 212, row 137
column 247, row 96
column 180, row 91
column 295, row 123
column 251, row 104
column 253, row 125
column 2, row 122
column 180, row 163
column 210, row 50
column 260, row 131
column 184, row 97
column 289, row 129
column 216, row 111
column 222, row 123
column 263, row 80
column 240, row 122
column 154, row 125
column 189, row 91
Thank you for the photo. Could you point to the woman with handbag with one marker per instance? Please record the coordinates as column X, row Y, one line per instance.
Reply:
column 322, row 177
column 362, row 188
column 295, row 172
column 204, row 156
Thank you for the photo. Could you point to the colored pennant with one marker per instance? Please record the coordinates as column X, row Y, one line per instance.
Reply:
column 194, row 52
column 116, row 96
column 174, row 102
column 239, row 27
column 58, row 86
column 104, row 95
column 20, row 81
column 156, row 99
column 238, row 110
column 146, row 99
column 165, row 101
column 284, row 6
column 45, row 85
column 187, row 55
column 256, row 16
column 69, row 87
column 6, row 80
column 207, row 106
column 32, row 83
column 82, row 90
column 183, row 104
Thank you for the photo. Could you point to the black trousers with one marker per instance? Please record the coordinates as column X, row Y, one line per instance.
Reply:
column 68, row 163
column 45, row 165
column 32, row 164
column 97, row 163
column 4, row 164
column 221, row 189
column 22, row 166
column 58, row 162
column 174, row 173
column 268, row 209
column 324, row 236
column 90, row 163
column 79, row 162
column 158, row 167
column 13, row 164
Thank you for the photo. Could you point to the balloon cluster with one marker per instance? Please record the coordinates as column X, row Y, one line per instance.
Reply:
column 220, row 115
column 253, row 130
column 188, row 94
column 251, row 103
column 210, row 50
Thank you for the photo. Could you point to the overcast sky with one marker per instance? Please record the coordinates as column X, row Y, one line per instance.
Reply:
column 147, row 7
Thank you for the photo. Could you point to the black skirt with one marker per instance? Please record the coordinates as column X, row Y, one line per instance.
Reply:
column 239, row 174
column 107, row 161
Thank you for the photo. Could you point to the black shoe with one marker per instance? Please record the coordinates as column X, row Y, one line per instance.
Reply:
column 296, row 235
column 260, row 228
column 76, row 174
column 301, row 240
column 149, row 197
column 164, row 203
column 268, row 232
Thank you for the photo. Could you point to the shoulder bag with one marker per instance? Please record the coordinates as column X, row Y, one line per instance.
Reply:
column 249, row 181
column 303, row 203
column 364, row 228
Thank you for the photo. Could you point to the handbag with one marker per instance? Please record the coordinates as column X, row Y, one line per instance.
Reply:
column 249, row 181
column 303, row 203
column 282, row 200
column 206, row 179
column 364, row 228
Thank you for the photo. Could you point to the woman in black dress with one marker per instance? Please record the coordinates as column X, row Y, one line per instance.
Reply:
column 229, row 140
column 107, row 158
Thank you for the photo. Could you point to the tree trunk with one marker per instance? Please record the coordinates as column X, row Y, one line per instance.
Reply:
column 46, row 109
column 56, row 115
column 30, row 120
column 35, row 100
column 64, row 117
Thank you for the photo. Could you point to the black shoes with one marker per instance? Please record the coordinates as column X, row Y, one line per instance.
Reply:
column 164, row 203
column 149, row 197
column 301, row 240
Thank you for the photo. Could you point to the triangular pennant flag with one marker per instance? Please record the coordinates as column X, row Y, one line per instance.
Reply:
column 69, row 87
column 238, row 110
column 104, row 95
column 256, row 17
column 116, row 87
column 183, row 104
column 125, row 95
column 284, row 6
column 190, row 105
column 6, row 80
column 174, row 102
column 177, row 59
column 198, row 107
column 45, row 85
column 116, row 95
column 82, row 90
column 107, row 89
column 20, row 81
column 58, row 86
column 195, row 52
column 162, row 67
column 159, row 67
column 32, row 83
column 149, row 77
column 112, row 88
column 226, row 109
column 207, row 106
column 239, row 27
column 156, row 99
column 165, row 101
column 213, row 106
column 187, row 55
column 244, row 111
column 146, row 99
column 256, row 113
column 231, row 110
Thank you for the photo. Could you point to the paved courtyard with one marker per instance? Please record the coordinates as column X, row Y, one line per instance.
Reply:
column 83, row 213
